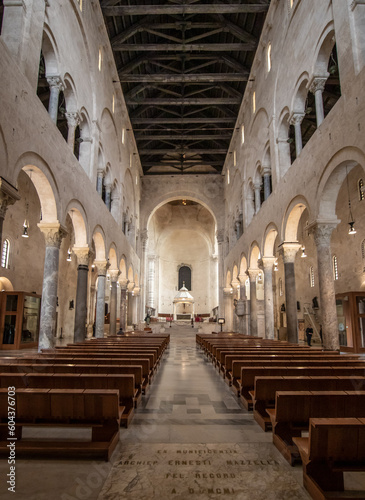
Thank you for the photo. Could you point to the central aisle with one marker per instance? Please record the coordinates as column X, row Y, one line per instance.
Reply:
column 192, row 438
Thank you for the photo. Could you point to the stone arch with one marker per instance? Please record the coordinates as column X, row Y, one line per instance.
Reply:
column 228, row 279
column 292, row 217
column 123, row 268
column 332, row 178
column 136, row 280
column 235, row 274
column 41, row 177
column 270, row 235
column 130, row 274
column 112, row 256
column 85, row 141
column 250, row 202
column 78, row 218
column 254, row 255
column 99, row 242
column 243, row 264
column 300, row 94
column 108, row 130
column 50, row 52
column 323, row 50
column 70, row 93
column 5, row 284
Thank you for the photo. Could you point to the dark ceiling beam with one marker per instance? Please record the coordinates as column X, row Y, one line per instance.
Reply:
column 182, row 173
column 184, row 78
column 158, row 101
column 182, row 121
column 235, row 30
column 182, row 151
column 184, row 47
column 166, row 163
column 143, row 10
column 182, row 137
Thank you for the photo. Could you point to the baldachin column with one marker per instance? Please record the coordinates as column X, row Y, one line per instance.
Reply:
column 82, row 254
column 53, row 234
column 289, row 252
column 327, row 296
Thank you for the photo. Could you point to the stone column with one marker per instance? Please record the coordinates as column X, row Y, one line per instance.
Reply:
column 151, row 282
column 123, row 283
column 257, row 188
column 267, row 182
column 8, row 196
column 143, row 280
column 82, row 254
column 99, row 181
column 267, row 266
column 108, row 190
column 296, row 120
column 55, row 87
column 253, row 273
column 317, row 87
column 327, row 295
column 289, row 251
column 228, row 309
column 73, row 120
column 53, row 234
column 100, row 299
column 113, row 301
column 244, row 304
column 136, row 292
column 130, row 304
column 220, row 240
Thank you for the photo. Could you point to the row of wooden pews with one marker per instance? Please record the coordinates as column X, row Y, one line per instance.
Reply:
column 312, row 400
column 95, row 384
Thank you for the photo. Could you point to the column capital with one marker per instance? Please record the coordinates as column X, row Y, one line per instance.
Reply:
column 252, row 274
column 102, row 266
column 130, row 286
column 266, row 170
column 73, row 118
column 144, row 236
column 114, row 273
column 108, row 186
column 53, row 233
column 322, row 231
column 123, row 283
column 100, row 172
column 82, row 254
column 55, row 81
column 296, row 118
column 227, row 291
column 317, row 83
column 136, row 291
column 257, row 185
column 267, row 263
column 289, row 250
column 8, row 196
column 242, row 278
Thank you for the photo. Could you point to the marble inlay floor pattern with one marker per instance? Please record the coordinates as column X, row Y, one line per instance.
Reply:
column 190, row 439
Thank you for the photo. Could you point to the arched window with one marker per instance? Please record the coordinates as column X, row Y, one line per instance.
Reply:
column 281, row 293
column 335, row 267
column 361, row 189
column 5, row 254
column 185, row 277
column 268, row 54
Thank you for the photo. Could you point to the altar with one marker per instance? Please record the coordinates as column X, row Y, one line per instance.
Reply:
column 183, row 305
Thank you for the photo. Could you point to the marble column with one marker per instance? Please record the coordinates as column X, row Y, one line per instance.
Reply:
column 244, row 304
column 228, row 310
column 55, row 87
column 220, row 241
column 317, row 87
column 253, row 273
column 257, row 188
column 82, row 254
column 114, row 273
column 123, row 283
column 53, row 234
column 130, row 304
column 8, row 196
column 267, row 266
column 100, row 298
column 267, row 182
column 327, row 296
column 99, row 181
column 296, row 120
column 108, row 190
column 73, row 120
column 289, row 251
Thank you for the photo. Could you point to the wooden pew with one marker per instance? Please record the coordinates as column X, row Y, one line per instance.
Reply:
column 248, row 374
column 334, row 445
column 135, row 370
column 123, row 383
column 264, row 393
column 95, row 409
column 293, row 409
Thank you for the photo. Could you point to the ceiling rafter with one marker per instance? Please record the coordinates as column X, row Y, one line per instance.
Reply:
column 183, row 9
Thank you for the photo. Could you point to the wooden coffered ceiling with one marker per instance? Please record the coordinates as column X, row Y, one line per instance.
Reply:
column 183, row 66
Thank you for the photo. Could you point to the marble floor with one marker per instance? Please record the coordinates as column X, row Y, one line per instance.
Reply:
column 190, row 439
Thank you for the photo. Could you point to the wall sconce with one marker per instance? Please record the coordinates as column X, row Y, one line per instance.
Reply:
column 221, row 322
column 304, row 255
column 25, row 229
column 69, row 255
column 276, row 269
